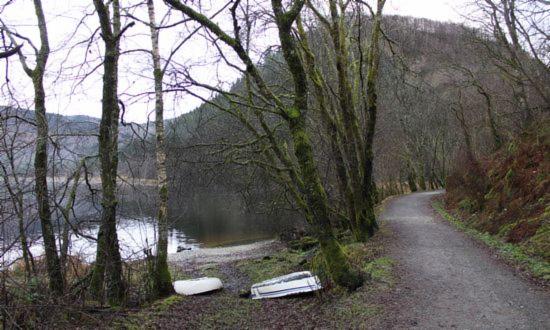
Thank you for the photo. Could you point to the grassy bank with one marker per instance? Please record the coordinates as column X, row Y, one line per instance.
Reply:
column 329, row 308
column 518, row 255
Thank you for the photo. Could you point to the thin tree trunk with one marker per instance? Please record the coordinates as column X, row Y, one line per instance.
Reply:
column 497, row 139
column 65, row 212
column 332, row 129
column 162, row 282
column 368, row 192
column 459, row 114
column 27, row 257
column 16, row 197
column 53, row 265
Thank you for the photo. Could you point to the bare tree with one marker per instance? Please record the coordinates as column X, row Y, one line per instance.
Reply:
column 519, row 49
column 10, row 52
column 15, row 182
column 162, row 283
column 41, row 151
column 303, row 178
column 368, row 189
column 108, row 265
column 354, row 164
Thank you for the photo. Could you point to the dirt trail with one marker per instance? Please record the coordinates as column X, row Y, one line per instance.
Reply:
column 450, row 281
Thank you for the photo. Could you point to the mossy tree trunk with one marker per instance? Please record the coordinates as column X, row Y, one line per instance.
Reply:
column 367, row 218
column 358, row 156
column 53, row 265
column 41, row 188
column 161, row 279
column 312, row 196
column 331, row 123
column 352, row 141
column 107, row 273
column 313, row 190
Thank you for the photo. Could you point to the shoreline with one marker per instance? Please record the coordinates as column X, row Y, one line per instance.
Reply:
column 219, row 255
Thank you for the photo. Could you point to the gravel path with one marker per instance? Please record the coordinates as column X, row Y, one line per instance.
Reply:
column 448, row 280
column 207, row 256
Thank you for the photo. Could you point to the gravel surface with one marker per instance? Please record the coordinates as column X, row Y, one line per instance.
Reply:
column 206, row 256
column 448, row 280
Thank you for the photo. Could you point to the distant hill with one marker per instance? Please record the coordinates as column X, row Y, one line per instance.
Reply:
column 71, row 137
column 417, row 135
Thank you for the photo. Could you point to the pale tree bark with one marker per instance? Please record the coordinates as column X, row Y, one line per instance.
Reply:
column 162, row 282
column 107, row 273
column 65, row 213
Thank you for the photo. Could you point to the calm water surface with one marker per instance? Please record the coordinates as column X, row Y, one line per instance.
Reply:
column 216, row 222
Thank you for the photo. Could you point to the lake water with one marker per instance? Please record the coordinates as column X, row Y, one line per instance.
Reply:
column 135, row 236
column 214, row 224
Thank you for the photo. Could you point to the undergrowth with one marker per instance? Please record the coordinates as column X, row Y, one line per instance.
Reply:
column 517, row 254
column 332, row 307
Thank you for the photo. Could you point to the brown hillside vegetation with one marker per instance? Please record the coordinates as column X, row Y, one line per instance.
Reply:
column 509, row 196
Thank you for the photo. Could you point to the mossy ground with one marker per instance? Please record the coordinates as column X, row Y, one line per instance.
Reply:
column 332, row 307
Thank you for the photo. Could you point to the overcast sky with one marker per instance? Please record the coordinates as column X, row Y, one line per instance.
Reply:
column 82, row 95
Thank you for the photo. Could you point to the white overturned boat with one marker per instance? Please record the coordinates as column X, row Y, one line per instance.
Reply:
column 197, row 286
column 286, row 285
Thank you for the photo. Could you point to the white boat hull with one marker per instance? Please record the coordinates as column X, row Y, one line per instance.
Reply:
column 295, row 283
column 197, row 286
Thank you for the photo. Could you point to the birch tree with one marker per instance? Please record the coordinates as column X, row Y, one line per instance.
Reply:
column 162, row 282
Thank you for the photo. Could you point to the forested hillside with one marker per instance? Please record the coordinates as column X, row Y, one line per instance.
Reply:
column 439, row 98
column 284, row 147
